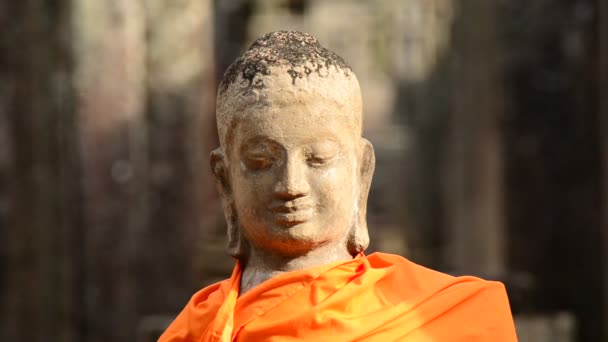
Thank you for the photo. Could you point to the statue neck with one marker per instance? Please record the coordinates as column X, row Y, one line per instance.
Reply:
column 262, row 265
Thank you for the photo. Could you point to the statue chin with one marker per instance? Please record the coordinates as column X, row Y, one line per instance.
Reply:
column 293, row 245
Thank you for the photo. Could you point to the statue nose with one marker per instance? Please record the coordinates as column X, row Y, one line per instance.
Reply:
column 292, row 182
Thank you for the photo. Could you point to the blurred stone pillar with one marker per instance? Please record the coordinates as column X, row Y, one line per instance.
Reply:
column 110, row 50
column 603, row 115
column 146, row 89
column 180, row 94
column 40, row 229
column 472, row 174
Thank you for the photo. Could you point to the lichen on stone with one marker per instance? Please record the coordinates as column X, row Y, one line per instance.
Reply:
column 298, row 50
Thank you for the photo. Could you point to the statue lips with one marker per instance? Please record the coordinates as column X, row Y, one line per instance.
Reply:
column 291, row 213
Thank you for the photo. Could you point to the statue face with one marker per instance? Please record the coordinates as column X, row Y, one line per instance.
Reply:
column 294, row 175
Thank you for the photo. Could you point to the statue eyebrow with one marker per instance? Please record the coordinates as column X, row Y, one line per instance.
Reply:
column 257, row 141
column 260, row 138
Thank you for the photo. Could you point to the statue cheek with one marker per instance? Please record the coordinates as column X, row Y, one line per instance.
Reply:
column 333, row 187
column 336, row 177
column 255, row 185
column 330, row 174
column 323, row 183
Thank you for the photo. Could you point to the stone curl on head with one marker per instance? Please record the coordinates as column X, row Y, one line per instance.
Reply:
column 301, row 51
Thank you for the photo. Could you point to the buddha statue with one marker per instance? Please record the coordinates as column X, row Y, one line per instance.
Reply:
column 294, row 173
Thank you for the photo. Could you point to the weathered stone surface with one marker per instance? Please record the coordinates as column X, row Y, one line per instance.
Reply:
column 300, row 50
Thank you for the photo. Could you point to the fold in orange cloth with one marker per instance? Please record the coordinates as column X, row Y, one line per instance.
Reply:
column 380, row 297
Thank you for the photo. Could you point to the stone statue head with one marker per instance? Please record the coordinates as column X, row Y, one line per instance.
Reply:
column 292, row 168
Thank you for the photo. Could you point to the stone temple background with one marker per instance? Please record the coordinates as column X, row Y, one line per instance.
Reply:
column 489, row 120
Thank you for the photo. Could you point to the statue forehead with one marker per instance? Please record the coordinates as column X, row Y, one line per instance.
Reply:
column 281, row 87
column 322, row 95
column 282, row 69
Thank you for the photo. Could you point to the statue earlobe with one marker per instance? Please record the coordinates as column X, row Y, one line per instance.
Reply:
column 237, row 245
column 359, row 237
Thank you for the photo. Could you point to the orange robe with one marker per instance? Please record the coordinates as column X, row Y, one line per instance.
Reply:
column 380, row 297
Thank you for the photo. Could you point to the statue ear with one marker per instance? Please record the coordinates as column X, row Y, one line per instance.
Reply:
column 359, row 237
column 218, row 168
column 237, row 245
